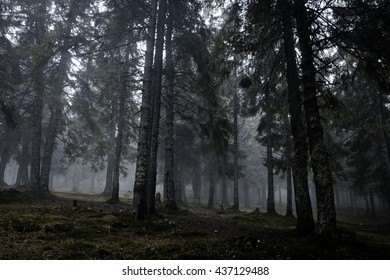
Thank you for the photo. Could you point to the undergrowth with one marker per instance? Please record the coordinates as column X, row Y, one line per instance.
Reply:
column 49, row 227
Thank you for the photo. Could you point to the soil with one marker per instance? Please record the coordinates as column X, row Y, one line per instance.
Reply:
column 65, row 226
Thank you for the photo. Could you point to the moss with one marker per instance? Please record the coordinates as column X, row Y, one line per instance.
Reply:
column 52, row 229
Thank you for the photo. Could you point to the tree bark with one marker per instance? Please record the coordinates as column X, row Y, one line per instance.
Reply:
column 155, row 128
column 270, row 165
column 122, row 100
column 319, row 157
column 141, row 173
column 112, row 140
column 289, row 210
column 37, row 107
column 178, row 183
column 236, row 200
column 197, row 178
column 5, row 156
column 224, row 187
column 372, row 203
column 55, row 118
column 169, row 182
column 56, row 104
column 22, row 177
column 305, row 221
column 109, row 171
column 210, row 203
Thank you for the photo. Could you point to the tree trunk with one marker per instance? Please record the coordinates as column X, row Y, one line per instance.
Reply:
column 236, row 200
column 36, row 130
column 169, row 183
column 264, row 196
column 246, row 194
column 372, row 203
column 210, row 203
column 224, row 195
column 5, row 156
column 55, row 118
column 120, row 133
column 56, row 106
column 270, row 165
column 197, row 179
column 22, row 177
column 110, row 168
column 289, row 211
column 141, row 173
column 304, row 212
column 319, row 157
column 178, row 183
column 158, row 63
column 112, row 140
column 367, row 213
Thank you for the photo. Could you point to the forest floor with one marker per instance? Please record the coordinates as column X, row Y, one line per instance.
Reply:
column 49, row 227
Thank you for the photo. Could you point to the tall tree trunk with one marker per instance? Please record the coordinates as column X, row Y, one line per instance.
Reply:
column 141, row 173
column 22, row 178
column 305, row 221
column 169, row 182
column 270, row 164
column 197, row 179
column 212, row 171
column 264, row 196
column 236, row 200
column 289, row 210
column 109, row 171
column 111, row 152
column 55, row 118
column 178, row 183
column 36, row 133
column 154, row 135
column 372, row 203
column 56, row 106
column 319, row 157
column 246, row 194
column 120, row 132
column 36, row 129
column 224, row 195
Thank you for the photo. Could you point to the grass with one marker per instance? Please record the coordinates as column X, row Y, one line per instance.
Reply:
column 49, row 227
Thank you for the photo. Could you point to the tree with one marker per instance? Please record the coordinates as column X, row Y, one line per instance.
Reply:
column 169, row 182
column 141, row 175
column 305, row 222
column 37, row 78
column 60, row 79
column 156, row 103
column 319, row 157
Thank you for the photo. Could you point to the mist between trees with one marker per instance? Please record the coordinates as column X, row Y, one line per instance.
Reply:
column 279, row 105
